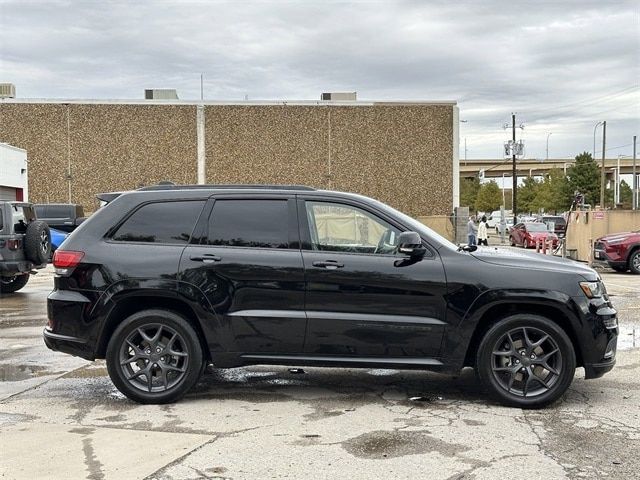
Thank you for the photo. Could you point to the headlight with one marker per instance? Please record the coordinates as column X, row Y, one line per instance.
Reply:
column 592, row 289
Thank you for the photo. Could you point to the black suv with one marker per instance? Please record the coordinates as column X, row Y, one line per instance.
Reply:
column 166, row 279
column 25, row 245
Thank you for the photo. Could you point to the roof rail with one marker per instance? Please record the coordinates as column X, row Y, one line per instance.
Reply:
column 226, row 186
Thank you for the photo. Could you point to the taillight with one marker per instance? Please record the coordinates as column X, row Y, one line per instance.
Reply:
column 63, row 260
column 14, row 244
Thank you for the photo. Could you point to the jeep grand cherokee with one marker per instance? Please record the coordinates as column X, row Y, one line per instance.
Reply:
column 166, row 279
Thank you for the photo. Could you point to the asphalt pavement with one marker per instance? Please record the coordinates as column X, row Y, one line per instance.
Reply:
column 61, row 416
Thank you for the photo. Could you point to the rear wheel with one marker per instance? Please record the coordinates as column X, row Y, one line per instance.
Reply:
column 13, row 284
column 512, row 241
column 154, row 356
column 634, row 262
column 526, row 361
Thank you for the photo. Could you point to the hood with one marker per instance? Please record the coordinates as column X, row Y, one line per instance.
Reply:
column 541, row 234
column 618, row 236
column 533, row 261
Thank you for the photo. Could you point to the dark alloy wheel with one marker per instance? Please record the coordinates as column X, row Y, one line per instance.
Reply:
column 634, row 262
column 13, row 284
column 526, row 360
column 154, row 356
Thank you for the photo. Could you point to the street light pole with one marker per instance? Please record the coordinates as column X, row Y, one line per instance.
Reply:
column 634, row 197
column 604, row 144
column 514, row 188
column 594, row 140
column 503, row 200
column 548, row 135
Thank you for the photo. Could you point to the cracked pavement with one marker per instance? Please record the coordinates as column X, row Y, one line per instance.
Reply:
column 61, row 416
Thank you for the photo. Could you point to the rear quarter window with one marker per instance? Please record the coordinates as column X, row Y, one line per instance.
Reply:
column 161, row 222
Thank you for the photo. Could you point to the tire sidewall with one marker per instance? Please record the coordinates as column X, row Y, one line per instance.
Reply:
column 170, row 319
column 16, row 283
column 631, row 267
column 32, row 242
column 483, row 359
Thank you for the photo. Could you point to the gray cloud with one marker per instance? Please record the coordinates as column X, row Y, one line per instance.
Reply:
column 561, row 65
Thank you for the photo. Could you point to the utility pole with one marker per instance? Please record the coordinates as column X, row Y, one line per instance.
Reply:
column 514, row 205
column 634, row 201
column 604, row 143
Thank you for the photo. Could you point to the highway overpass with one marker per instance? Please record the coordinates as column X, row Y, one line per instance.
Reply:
column 494, row 168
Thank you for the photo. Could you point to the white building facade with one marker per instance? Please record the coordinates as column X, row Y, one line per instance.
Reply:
column 14, row 184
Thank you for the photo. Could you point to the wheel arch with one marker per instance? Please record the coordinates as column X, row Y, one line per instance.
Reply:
column 632, row 250
column 125, row 306
column 496, row 312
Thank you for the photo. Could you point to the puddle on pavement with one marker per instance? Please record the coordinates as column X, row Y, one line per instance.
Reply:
column 383, row 444
column 15, row 373
column 628, row 337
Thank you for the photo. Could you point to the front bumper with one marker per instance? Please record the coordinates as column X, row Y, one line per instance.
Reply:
column 599, row 337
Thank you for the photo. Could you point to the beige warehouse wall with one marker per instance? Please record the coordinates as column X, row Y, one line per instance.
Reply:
column 585, row 227
column 441, row 224
column 398, row 153
column 112, row 147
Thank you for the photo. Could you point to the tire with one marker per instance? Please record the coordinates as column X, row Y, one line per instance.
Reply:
column 13, row 284
column 549, row 366
column 619, row 268
column 37, row 242
column 634, row 262
column 512, row 241
column 173, row 338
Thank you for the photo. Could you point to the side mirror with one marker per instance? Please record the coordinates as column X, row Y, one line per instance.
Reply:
column 410, row 244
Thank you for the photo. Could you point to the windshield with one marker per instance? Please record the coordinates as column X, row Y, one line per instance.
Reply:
column 417, row 226
column 536, row 227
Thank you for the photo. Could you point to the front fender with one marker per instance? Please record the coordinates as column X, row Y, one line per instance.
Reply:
column 503, row 302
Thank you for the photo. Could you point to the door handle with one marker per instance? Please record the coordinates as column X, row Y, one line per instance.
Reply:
column 328, row 264
column 206, row 258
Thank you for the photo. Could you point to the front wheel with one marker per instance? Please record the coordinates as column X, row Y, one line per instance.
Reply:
column 154, row 356
column 526, row 361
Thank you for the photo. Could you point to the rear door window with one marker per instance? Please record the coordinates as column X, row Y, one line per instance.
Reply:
column 161, row 222
column 249, row 223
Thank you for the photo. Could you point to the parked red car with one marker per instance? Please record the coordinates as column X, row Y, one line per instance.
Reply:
column 620, row 251
column 528, row 234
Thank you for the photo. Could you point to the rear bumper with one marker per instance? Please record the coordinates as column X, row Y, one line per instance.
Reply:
column 9, row 268
column 71, row 345
column 67, row 331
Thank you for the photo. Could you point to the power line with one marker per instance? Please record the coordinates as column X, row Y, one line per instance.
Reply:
column 588, row 101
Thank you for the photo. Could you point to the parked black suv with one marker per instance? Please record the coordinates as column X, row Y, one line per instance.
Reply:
column 25, row 245
column 165, row 279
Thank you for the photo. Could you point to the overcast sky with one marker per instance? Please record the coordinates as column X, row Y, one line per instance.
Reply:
column 561, row 65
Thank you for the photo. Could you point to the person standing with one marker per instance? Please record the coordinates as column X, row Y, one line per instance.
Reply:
column 471, row 231
column 483, row 235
